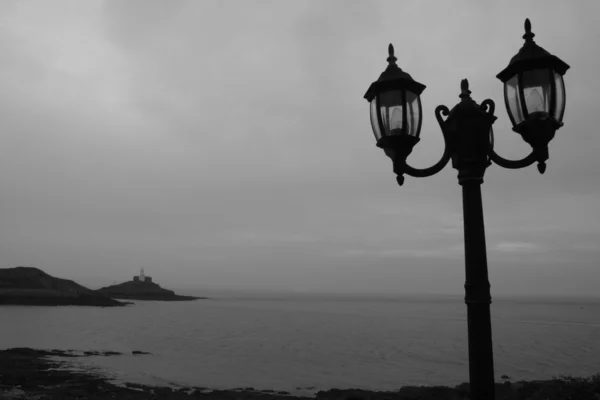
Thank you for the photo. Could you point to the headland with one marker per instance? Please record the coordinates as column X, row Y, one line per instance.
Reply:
column 143, row 288
column 33, row 287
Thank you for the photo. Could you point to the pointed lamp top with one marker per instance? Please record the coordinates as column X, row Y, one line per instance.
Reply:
column 392, row 58
column 528, row 36
column 464, row 89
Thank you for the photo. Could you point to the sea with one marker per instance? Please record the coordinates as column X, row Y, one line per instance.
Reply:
column 305, row 343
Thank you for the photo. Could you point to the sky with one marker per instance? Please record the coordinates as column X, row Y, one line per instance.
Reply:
column 227, row 145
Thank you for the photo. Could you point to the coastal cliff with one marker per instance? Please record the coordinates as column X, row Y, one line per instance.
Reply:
column 143, row 290
column 32, row 286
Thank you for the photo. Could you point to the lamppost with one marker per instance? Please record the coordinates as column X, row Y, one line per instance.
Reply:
column 534, row 94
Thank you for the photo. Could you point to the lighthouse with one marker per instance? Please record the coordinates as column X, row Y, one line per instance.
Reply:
column 142, row 277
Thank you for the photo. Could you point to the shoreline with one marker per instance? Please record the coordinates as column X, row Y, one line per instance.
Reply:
column 60, row 301
column 156, row 297
column 40, row 374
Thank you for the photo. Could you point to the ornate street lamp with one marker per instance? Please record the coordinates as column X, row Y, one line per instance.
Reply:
column 534, row 94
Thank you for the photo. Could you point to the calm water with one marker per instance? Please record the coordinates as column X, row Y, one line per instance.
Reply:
column 303, row 344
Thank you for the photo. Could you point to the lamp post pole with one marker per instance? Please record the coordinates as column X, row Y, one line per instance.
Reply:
column 535, row 100
column 477, row 295
column 467, row 129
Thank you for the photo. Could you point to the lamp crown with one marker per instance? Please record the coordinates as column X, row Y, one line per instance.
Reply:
column 530, row 57
column 528, row 36
column 467, row 108
column 393, row 78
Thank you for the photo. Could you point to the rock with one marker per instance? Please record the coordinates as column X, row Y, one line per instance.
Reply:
column 111, row 353
column 25, row 351
column 135, row 352
column 163, row 391
column 343, row 394
column 137, row 386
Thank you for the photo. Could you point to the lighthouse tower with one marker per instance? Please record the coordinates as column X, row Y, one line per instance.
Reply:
column 142, row 277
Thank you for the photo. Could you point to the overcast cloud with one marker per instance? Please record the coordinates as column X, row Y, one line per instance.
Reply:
column 226, row 144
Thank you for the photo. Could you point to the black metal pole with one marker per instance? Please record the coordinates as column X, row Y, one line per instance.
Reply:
column 477, row 295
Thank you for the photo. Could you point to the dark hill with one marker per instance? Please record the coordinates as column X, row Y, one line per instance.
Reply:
column 32, row 286
column 138, row 290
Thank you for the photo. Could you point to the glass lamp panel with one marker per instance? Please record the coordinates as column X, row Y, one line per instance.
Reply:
column 559, row 85
column 413, row 114
column 375, row 119
column 420, row 108
column 390, row 106
column 537, row 89
column 513, row 101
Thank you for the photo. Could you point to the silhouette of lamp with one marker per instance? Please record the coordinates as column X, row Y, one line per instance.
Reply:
column 534, row 94
column 396, row 113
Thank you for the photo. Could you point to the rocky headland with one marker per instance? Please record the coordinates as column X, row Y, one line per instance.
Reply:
column 32, row 286
column 143, row 290
column 45, row 375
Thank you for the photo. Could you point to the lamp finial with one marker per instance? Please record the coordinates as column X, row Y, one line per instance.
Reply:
column 391, row 59
column 464, row 89
column 528, row 36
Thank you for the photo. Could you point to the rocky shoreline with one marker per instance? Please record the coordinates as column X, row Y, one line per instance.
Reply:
column 40, row 375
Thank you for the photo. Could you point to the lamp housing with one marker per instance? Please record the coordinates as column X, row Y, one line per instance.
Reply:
column 534, row 91
column 395, row 109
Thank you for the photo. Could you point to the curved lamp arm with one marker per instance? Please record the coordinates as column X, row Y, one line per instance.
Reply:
column 422, row 173
column 512, row 164
column 488, row 106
